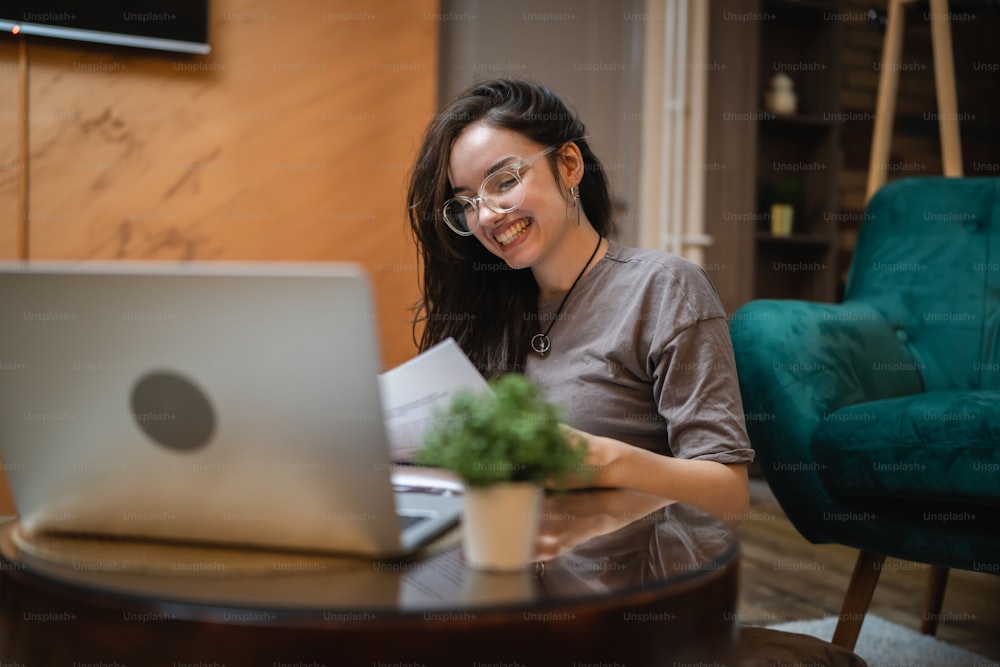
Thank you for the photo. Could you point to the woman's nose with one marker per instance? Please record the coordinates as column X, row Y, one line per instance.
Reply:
column 487, row 216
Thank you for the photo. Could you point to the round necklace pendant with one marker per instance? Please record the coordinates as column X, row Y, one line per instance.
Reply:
column 540, row 343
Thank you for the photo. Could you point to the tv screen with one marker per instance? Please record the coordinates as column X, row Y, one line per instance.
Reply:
column 168, row 25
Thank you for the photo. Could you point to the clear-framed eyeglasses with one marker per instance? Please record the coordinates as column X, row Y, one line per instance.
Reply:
column 502, row 191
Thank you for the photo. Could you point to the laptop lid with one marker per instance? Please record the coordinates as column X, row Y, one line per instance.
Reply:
column 233, row 403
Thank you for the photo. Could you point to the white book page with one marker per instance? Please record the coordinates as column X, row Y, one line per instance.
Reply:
column 412, row 391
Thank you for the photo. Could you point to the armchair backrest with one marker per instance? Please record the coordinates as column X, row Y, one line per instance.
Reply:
column 928, row 259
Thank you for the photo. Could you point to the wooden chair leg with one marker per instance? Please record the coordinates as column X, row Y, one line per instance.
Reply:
column 867, row 568
column 937, row 579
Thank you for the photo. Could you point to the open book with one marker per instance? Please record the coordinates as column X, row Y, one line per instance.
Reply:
column 412, row 391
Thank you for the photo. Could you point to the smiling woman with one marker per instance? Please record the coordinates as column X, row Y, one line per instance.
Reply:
column 514, row 121
column 511, row 213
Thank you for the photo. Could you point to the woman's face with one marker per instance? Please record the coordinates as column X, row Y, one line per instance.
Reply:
column 525, row 236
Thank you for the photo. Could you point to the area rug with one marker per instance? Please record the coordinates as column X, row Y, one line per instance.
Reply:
column 886, row 644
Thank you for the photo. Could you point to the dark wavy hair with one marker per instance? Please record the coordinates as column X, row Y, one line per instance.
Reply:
column 467, row 292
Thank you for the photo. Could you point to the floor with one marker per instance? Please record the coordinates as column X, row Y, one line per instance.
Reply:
column 783, row 578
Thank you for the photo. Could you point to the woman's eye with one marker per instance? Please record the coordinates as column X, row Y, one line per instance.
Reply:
column 506, row 182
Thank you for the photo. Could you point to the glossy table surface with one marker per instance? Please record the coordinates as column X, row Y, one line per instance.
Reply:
column 610, row 564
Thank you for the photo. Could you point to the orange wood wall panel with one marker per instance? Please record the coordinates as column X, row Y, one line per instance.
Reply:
column 9, row 190
column 291, row 140
column 10, row 165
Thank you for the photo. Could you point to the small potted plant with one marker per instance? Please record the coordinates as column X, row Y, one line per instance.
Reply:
column 506, row 445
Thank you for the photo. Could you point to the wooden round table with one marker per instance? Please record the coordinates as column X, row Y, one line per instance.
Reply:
column 622, row 578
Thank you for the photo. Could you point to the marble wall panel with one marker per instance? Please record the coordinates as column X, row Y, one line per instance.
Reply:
column 291, row 140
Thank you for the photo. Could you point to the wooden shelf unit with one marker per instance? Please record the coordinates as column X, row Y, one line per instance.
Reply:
column 750, row 41
column 802, row 39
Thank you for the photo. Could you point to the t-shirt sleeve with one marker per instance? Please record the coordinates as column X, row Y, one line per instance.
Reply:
column 695, row 384
column 698, row 394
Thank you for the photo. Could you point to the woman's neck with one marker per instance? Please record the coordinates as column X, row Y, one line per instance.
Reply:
column 557, row 272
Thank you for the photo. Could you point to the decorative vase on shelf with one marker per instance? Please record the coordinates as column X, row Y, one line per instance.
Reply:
column 783, row 195
column 780, row 97
column 781, row 219
column 506, row 445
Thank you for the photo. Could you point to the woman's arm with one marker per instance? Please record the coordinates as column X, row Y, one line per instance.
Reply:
column 720, row 489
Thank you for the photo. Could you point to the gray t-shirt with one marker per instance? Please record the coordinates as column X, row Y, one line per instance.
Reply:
column 641, row 353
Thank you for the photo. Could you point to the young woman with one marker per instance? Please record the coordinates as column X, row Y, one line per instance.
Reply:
column 510, row 210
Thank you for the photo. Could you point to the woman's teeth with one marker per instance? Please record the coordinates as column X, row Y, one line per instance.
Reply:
column 512, row 232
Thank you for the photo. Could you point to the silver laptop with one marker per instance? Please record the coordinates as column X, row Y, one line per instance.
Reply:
column 227, row 403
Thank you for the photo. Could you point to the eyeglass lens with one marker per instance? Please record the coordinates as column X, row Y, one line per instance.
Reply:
column 501, row 192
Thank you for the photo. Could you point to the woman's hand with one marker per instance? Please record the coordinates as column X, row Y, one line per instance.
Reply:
column 603, row 455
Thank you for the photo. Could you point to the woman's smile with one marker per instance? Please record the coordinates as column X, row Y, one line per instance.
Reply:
column 510, row 233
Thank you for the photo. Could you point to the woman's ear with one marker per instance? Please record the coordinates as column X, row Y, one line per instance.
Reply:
column 571, row 165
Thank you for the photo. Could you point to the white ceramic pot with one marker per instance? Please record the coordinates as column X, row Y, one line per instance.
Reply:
column 500, row 526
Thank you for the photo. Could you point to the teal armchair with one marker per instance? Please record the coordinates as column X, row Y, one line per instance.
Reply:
column 876, row 421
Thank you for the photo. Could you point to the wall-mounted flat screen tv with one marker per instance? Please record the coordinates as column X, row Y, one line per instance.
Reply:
column 167, row 25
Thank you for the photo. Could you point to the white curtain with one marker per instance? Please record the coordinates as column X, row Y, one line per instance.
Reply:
column 671, row 186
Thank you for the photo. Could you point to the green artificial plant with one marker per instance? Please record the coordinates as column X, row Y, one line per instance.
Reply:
column 786, row 190
column 511, row 434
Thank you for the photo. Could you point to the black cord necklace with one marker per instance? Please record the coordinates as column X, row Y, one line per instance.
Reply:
column 540, row 342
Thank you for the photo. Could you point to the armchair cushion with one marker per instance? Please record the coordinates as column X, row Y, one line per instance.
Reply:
column 936, row 446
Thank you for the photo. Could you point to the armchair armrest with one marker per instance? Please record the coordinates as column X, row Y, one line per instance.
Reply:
column 798, row 362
